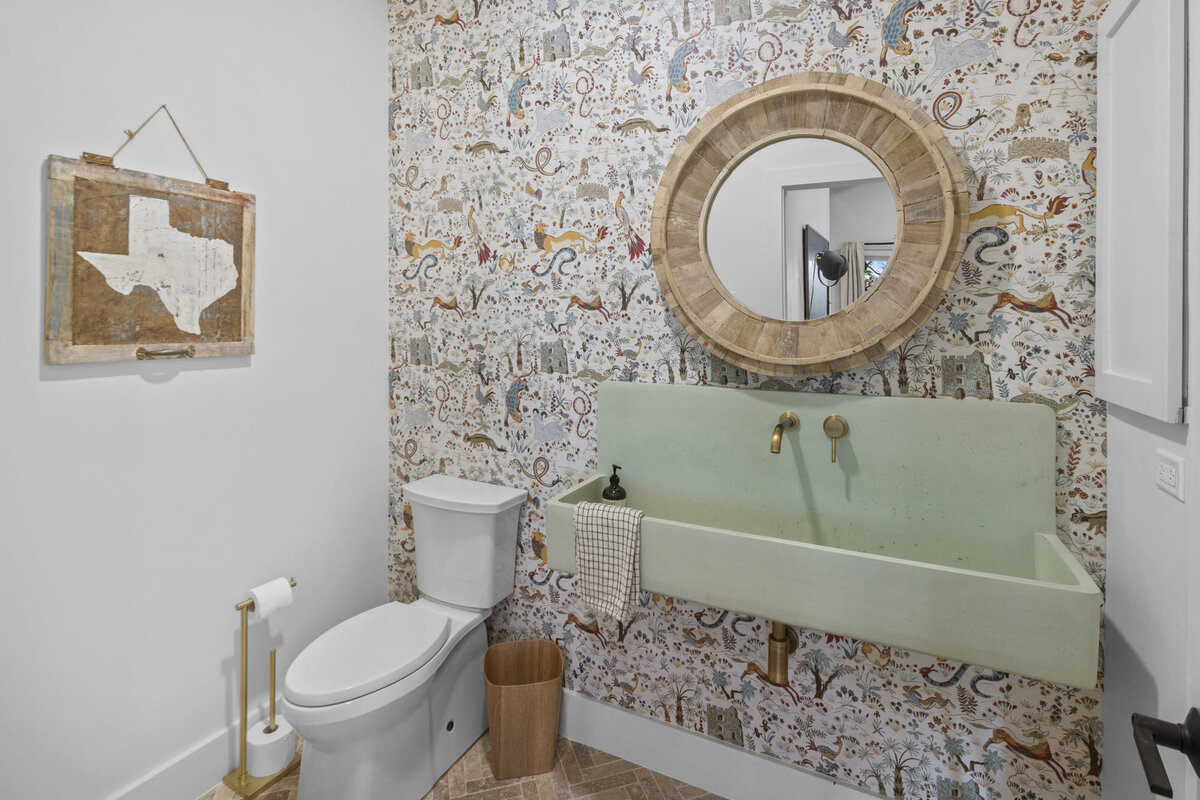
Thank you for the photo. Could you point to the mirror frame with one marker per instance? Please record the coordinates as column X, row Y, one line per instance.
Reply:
column 915, row 158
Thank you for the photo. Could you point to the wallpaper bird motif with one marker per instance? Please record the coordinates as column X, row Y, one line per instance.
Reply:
column 527, row 141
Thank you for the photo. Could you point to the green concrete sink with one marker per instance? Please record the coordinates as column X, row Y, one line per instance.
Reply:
column 934, row 531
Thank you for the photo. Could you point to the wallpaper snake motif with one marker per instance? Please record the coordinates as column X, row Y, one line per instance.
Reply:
column 527, row 141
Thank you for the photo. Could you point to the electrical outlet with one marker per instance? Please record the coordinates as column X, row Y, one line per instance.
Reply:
column 1168, row 473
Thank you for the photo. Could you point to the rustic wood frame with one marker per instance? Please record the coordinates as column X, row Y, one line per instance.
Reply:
column 913, row 155
column 60, row 346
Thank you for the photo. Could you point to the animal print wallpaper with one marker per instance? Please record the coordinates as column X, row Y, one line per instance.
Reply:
column 528, row 138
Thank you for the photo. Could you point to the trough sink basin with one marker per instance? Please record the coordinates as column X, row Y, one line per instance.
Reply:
column 934, row 531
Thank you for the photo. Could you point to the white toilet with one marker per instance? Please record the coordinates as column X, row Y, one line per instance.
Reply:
column 389, row 699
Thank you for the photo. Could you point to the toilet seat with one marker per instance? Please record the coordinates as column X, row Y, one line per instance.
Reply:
column 365, row 653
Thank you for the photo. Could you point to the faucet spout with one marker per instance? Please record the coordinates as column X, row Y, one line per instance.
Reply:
column 788, row 421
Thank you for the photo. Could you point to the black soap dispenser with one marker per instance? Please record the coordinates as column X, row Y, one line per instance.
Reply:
column 614, row 493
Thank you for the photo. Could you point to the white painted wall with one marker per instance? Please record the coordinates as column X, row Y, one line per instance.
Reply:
column 863, row 211
column 1152, row 608
column 1146, row 613
column 139, row 501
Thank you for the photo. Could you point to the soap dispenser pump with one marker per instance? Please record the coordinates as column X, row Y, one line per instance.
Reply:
column 614, row 493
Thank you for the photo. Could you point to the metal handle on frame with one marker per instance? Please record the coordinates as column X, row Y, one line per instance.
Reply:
column 177, row 352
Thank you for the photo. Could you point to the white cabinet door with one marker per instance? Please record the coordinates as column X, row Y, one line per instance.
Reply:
column 1140, row 207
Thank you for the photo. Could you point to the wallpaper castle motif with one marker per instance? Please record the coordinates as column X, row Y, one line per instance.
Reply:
column 528, row 138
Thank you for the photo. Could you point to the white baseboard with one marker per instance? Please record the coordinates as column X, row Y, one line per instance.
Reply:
column 685, row 755
column 694, row 758
column 193, row 772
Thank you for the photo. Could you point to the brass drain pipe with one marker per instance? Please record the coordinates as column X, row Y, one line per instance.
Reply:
column 783, row 640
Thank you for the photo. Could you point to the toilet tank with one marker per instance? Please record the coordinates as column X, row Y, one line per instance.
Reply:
column 466, row 539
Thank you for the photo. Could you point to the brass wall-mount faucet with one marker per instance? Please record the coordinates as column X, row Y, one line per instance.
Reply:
column 788, row 421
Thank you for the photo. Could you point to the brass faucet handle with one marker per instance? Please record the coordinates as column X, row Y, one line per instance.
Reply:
column 835, row 428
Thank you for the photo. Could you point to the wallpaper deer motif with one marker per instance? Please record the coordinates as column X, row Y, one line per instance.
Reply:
column 528, row 138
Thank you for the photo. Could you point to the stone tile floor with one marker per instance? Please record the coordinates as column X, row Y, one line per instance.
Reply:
column 580, row 773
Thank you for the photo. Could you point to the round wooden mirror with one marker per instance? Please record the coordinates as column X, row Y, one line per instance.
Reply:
column 912, row 154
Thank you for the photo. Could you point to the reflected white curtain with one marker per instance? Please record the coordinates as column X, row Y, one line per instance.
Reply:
column 852, row 285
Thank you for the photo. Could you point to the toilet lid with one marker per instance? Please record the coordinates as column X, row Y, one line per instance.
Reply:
column 365, row 653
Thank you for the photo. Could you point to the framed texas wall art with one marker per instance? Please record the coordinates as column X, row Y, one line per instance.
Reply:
column 142, row 266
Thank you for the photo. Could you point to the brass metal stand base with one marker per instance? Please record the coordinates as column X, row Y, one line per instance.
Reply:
column 249, row 786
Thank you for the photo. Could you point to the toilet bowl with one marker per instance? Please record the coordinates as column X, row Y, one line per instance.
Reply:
column 389, row 699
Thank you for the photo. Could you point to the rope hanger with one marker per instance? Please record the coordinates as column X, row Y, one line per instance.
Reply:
column 107, row 161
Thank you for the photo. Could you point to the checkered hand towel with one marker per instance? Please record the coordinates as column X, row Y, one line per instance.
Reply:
column 608, row 549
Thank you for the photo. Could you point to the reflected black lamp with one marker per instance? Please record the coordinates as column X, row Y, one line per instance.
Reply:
column 832, row 266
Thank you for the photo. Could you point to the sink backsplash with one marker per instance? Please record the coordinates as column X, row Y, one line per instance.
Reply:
column 933, row 471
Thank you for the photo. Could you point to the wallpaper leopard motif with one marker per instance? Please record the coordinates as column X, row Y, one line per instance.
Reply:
column 527, row 141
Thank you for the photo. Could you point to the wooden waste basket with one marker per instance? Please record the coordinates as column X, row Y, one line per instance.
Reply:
column 524, row 693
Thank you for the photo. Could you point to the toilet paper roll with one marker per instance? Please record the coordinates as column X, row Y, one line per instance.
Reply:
column 270, row 597
column 267, row 753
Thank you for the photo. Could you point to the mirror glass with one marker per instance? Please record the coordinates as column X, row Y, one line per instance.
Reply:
column 801, row 228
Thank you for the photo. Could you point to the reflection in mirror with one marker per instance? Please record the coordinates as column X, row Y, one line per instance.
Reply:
column 784, row 205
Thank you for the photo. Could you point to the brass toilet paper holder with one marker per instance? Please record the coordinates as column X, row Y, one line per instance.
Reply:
column 240, row 780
